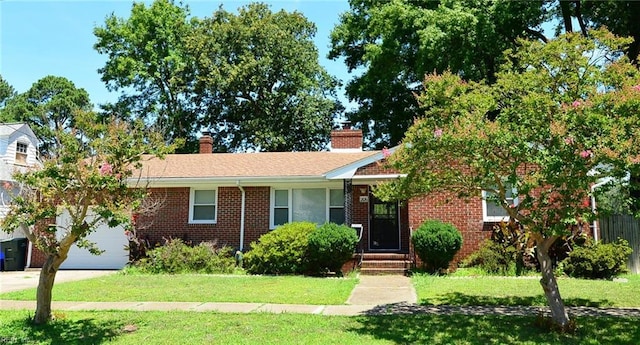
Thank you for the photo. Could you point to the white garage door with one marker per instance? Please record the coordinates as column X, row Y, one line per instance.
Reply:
column 111, row 240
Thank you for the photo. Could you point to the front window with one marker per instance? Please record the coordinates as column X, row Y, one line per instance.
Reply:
column 492, row 208
column 316, row 205
column 21, row 153
column 203, row 205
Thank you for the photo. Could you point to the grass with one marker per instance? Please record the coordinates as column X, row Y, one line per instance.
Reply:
column 526, row 291
column 200, row 288
column 208, row 328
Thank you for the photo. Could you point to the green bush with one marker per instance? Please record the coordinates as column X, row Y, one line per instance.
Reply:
column 436, row 243
column 177, row 257
column 330, row 246
column 281, row 251
column 597, row 260
column 492, row 258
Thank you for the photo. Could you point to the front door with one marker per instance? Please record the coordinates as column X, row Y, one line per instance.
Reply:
column 384, row 232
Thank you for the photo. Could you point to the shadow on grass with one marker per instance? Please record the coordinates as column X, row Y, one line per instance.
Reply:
column 457, row 298
column 62, row 331
column 493, row 329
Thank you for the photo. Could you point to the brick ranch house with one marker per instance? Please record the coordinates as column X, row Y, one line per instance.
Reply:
column 234, row 198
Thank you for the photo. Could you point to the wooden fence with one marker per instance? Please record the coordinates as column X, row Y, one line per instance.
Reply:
column 626, row 227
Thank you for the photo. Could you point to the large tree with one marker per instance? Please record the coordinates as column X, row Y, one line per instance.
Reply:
column 86, row 176
column 147, row 62
column 251, row 78
column 259, row 78
column 563, row 116
column 391, row 45
column 48, row 106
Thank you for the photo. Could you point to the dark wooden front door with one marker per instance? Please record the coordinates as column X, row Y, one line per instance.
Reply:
column 384, row 232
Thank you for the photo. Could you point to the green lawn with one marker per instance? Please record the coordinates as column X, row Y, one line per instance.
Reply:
column 200, row 288
column 212, row 328
column 484, row 290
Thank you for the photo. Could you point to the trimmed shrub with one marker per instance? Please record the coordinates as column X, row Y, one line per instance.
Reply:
column 330, row 246
column 597, row 260
column 178, row 257
column 281, row 251
column 492, row 258
column 436, row 243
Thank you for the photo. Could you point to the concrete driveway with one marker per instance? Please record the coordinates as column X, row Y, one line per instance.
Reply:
column 20, row 280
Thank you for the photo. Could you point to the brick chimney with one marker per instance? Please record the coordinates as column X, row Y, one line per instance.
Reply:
column 206, row 143
column 346, row 139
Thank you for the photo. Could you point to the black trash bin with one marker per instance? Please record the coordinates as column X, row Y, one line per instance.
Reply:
column 15, row 254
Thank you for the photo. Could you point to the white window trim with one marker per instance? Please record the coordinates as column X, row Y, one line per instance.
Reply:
column 192, row 195
column 272, row 206
column 272, row 203
column 496, row 219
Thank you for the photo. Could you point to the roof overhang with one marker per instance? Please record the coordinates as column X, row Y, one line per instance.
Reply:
column 348, row 171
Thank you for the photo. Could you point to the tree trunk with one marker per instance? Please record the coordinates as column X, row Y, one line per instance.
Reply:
column 45, row 285
column 549, row 283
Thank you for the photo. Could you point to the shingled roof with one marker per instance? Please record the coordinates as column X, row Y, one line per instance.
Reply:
column 252, row 165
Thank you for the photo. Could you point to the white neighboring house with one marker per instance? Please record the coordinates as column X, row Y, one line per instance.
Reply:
column 18, row 152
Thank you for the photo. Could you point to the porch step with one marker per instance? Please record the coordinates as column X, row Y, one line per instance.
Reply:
column 385, row 263
column 383, row 271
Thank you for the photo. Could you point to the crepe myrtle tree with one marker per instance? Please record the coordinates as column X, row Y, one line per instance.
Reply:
column 559, row 117
column 88, row 177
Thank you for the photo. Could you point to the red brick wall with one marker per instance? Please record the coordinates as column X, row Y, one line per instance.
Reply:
column 37, row 258
column 361, row 213
column 172, row 220
column 376, row 168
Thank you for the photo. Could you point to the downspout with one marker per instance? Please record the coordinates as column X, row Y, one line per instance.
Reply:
column 593, row 205
column 242, row 208
column 29, row 250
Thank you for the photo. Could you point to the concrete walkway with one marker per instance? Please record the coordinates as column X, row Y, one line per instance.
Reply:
column 20, row 280
column 374, row 295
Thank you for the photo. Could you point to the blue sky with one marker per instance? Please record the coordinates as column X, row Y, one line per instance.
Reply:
column 40, row 38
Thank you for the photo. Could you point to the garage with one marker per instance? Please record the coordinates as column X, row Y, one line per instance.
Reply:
column 111, row 240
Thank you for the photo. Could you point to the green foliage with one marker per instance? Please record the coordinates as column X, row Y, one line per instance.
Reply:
column 492, row 258
column 146, row 56
column 395, row 43
column 6, row 92
column 330, row 246
column 258, row 73
column 49, row 105
column 177, row 257
column 598, row 260
column 436, row 243
column 250, row 77
column 281, row 251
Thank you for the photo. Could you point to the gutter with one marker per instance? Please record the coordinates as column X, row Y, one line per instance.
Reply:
column 242, row 211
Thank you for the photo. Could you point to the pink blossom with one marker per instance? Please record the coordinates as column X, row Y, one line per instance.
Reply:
column 568, row 140
column 385, row 152
column 586, row 202
column 106, row 169
column 576, row 103
column 636, row 87
column 437, row 133
column 586, row 154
